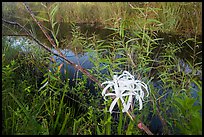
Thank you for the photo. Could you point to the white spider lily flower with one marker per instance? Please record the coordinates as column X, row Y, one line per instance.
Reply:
column 125, row 85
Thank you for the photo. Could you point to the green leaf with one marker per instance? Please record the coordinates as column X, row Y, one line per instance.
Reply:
column 52, row 77
column 42, row 19
column 98, row 131
column 120, row 119
column 76, row 125
column 108, row 125
column 53, row 24
column 56, row 40
column 153, row 20
column 54, row 10
column 57, row 31
column 45, row 80
column 121, row 33
column 19, row 104
column 189, row 102
column 64, row 123
column 154, row 108
column 130, row 128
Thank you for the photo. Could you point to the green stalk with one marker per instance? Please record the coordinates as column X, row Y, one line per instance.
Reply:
column 20, row 105
column 13, row 123
column 60, row 107
column 64, row 123
column 120, row 118
column 108, row 125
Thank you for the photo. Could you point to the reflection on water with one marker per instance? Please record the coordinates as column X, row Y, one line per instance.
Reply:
column 23, row 44
column 79, row 59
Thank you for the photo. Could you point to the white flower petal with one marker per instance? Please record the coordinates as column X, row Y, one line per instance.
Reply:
column 109, row 94
column 140, row 101
column 113, row 104
column 129, row 102
column 107, row 82
column 104, row 90
column 128, row 94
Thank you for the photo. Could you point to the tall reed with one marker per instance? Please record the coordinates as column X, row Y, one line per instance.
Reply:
column 179, row 17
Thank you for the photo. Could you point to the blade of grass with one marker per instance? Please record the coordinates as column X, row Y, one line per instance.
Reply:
column 64, row 123
column 60, row 107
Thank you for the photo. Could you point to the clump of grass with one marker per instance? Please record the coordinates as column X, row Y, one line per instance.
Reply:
column 180, row 17
column 32, row 108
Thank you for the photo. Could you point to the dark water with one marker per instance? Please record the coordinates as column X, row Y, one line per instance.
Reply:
column 69, row 72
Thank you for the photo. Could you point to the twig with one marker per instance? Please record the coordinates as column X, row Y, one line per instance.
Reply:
column 41, row 27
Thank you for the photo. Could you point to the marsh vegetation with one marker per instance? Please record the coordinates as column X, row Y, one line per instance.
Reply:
column 52, row 68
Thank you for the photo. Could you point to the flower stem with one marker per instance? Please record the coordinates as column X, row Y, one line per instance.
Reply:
column 145, row 128
column 120, row 120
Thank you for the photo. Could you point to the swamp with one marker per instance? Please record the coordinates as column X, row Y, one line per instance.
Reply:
column 102, row 68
